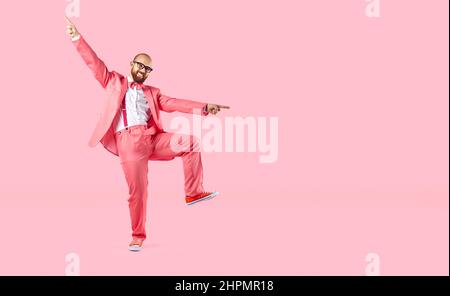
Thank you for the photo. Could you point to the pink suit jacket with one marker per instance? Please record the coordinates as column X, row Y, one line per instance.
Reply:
column 116, row 86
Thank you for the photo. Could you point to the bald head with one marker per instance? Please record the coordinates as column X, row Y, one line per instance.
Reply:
column 141, row 67
column 143, row 58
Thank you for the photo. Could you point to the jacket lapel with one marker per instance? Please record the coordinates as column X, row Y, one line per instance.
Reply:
column 151, row 102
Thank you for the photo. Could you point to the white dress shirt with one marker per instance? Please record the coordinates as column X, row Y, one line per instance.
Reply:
column 137, row 108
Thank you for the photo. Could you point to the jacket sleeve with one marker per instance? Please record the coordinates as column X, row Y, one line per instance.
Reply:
column 91, row 59
column 169, row 104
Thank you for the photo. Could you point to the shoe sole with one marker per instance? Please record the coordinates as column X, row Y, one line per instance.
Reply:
column 214, row 194
column 134, row 248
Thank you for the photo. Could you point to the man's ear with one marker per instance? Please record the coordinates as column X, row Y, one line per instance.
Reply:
column 131, row 64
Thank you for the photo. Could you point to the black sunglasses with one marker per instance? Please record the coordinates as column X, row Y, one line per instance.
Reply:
column 142, row 66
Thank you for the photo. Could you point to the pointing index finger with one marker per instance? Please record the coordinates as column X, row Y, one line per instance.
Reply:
column 68, row 20
column 223, row 107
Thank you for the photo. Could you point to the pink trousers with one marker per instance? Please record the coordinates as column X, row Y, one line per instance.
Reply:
column 137, row 146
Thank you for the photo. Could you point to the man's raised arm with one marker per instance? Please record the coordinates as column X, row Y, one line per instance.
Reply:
column 96, row 65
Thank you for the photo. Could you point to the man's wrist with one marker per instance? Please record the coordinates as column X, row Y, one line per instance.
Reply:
column 205, row 110
column 75, row 38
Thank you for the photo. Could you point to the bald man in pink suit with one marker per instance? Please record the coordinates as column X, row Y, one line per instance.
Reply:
column 130, row 127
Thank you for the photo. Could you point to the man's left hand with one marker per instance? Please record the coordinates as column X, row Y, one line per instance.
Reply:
column 214, row 108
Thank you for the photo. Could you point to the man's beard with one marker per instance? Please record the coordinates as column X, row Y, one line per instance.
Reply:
column 138, row 79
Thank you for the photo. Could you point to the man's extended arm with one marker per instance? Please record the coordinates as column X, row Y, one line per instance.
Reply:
column 169, row 104
column 91, row 59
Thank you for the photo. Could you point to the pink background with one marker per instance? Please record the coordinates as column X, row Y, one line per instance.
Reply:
column 363, row 138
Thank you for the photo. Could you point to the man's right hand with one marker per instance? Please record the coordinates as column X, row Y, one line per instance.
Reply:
column 71, row 29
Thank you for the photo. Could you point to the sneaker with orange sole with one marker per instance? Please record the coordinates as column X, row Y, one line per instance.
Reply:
column 190, row 200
